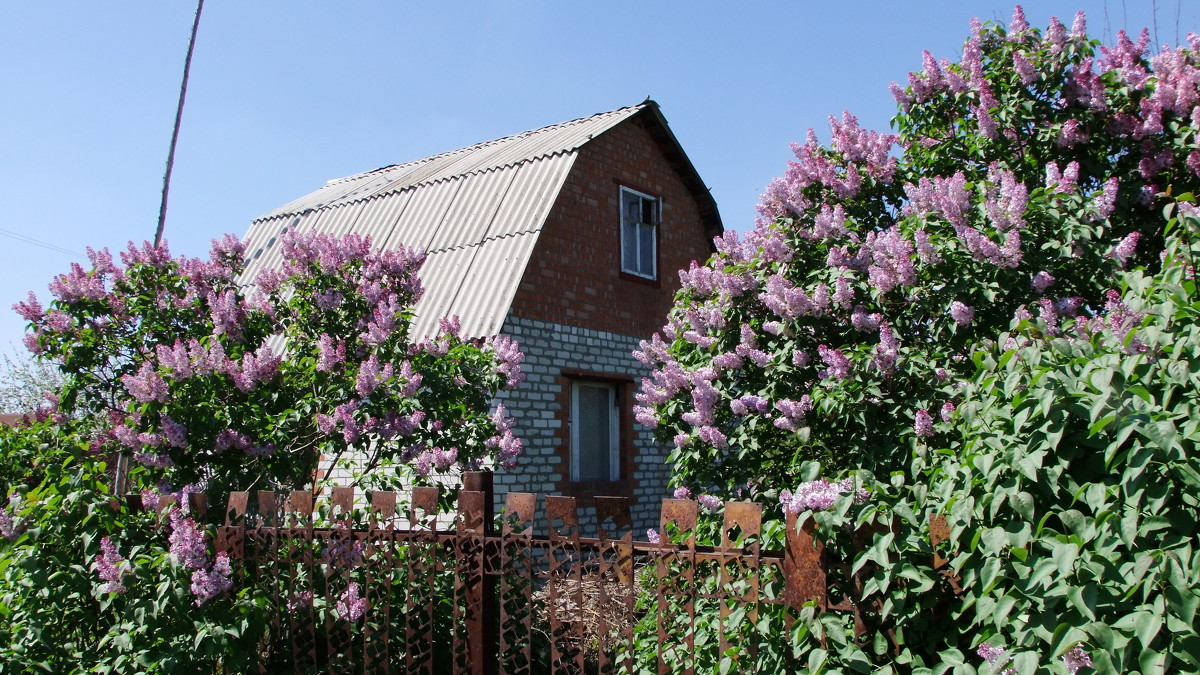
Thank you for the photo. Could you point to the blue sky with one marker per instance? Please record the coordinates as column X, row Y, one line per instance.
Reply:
column 286, row 95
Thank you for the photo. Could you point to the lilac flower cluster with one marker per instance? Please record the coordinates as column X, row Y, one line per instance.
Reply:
column 962, row 314
column 187, row 541
column 209, row 583
column 509, row 447
column 344, row 552
column 1124, row 250
column 111, row 566
column 997, row 659
column 350, row 606
column 1075, row 658
column 792, row 413
column 298, row 600
column 923, row 423
column 508, row 353
column 10, row 525
column 820, row 495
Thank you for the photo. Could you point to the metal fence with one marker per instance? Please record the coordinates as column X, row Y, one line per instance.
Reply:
column 521, row 594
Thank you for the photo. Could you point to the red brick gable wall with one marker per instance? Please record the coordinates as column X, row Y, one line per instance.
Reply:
column 574, row 275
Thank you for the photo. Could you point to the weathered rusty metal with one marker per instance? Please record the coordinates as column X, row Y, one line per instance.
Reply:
column 738, row 580
column 467, row 645
column 804, row 566
column 676, row 570
column 616, row 573
column 423, row 556
column 563, row 580
column 584, row 589
column 516, row 584
column 231, row 535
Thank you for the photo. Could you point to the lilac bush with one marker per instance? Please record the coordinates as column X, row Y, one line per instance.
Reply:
column 989, row 317
column 1016, row 182
column 178, row 377
column 199, row 378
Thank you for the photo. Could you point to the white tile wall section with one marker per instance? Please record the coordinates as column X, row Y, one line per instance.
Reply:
column 549, row 349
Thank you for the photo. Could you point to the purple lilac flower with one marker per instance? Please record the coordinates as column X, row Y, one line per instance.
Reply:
column 794, row 413
column 1075, row 658
column 947, row 411
column 207, row 585
column 327, row 301
column 749, row 403
column 508, row 352
column 843, row 294
column 176, row 359
column 653, row 536
column 371, row 375
column 299, row 600
column 997, row 659
column 1019, row 24
column 1005, row 204
column 923, row 423
column 1126, row 248
column 344, row 552
column 819, row 495
column 9, row 528
column 962, row 314
column 682, row 493
column 1041, row 281
column 174, row 432
column 713, row 436
column 78, row 285
column 1079, row 27
column 839, row 365
column 350, row 606
column 260, row 367
column 863, row 322
column 1106, row 201
column 709, row 502
column 153, row 460
column 1071, row 135
column 227, row 314
column 328, row 354
column 31, row 309
column 146, row 385
column 1024, row 69
column 887, row 352
column 187, row 541
column 111, row 566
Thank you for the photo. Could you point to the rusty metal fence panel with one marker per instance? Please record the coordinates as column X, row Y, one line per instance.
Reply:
column 517, row 594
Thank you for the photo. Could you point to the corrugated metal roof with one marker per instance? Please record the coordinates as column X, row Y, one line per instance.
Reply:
column 477, row 212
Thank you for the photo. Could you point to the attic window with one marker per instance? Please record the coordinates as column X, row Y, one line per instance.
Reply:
column 640, row 214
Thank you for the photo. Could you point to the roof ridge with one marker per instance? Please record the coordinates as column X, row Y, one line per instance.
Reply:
column 489, row 143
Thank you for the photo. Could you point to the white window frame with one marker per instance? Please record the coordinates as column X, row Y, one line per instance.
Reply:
column 614, row 419
column 638, row 226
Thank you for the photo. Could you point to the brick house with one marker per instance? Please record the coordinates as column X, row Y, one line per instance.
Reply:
column 566, row 238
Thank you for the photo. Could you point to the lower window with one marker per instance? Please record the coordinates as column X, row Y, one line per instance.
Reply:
column 595, row 446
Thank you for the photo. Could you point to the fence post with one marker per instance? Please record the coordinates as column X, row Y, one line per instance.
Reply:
column 484, row 623
column 803, row 565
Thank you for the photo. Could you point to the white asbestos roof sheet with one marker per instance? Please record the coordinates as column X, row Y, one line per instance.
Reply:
column 478, row 230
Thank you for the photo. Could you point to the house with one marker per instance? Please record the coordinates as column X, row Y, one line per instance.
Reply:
column 568, row 239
